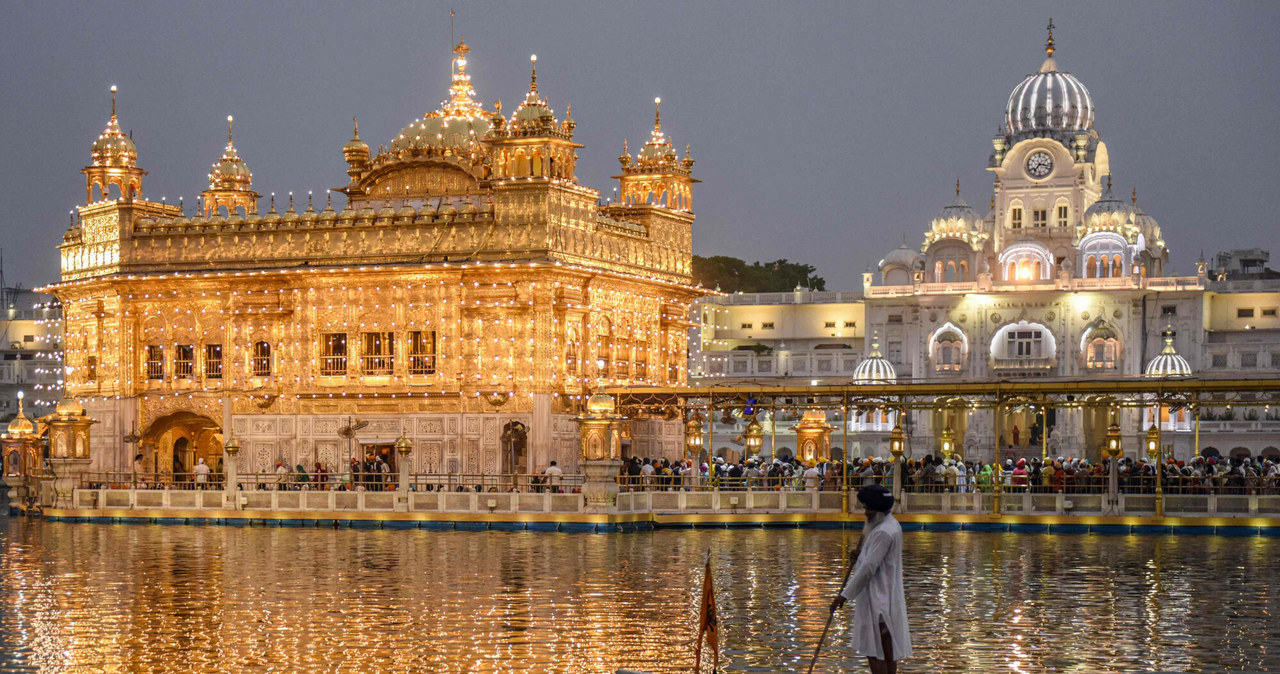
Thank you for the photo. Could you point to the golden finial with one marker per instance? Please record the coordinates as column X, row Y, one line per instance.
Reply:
column 113, row 101
column 229, row 120
column 309, row 200
column 1135, row 196
column 1048, row 47
column 1108, row 182
column 957, row 187
column 356, row 123
column 533, row 78
column 497, row 106
column 568, row 109
column 462, row 49
column 657, row 114
column 993, row 201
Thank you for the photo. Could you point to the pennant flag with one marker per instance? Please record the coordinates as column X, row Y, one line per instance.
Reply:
column 708, row 622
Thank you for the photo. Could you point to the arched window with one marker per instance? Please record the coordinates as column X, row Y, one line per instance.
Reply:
column 260, row 364
column 1100, row 345
column 948, row 348
column 1091, row 267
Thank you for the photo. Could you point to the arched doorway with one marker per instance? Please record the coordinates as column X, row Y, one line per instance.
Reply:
column 1239, row 452
column 515, row 442
column 1271, row 453
column 1210, row 452
column 178, row 441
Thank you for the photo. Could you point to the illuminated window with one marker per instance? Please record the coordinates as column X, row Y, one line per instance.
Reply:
column 422, row 352
column 1062, row 216
column 333, row 354
column 213, row 361
column 1015, row 218
column 260, row 363
column 155, row 361
column 376, row 352
column 184, row 361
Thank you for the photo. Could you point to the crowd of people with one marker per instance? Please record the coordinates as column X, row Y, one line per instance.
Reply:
column 1240, row 475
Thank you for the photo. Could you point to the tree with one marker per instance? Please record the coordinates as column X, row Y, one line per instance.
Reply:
column 734, row 275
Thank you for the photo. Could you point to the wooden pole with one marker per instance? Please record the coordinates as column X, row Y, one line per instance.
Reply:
column 848, row 570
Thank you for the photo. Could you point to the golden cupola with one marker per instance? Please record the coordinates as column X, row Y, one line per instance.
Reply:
column 533, row 144
column 20, row 425
column 113, row 162
column 356, row 153
column 230, row 182
column 657, row 176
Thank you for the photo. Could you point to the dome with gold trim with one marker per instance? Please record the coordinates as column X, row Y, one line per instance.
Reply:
column 113, row 147
column 458, row 126
column 658, row 152
column 534, row 116
column 600, row 404
column 230, row 173
column 68, row 407
column 20, row 425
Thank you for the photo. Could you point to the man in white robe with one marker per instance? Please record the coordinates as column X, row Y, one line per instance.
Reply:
column 880, row 630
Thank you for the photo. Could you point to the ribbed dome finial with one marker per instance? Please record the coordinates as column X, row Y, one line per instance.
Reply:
column 1048, row 47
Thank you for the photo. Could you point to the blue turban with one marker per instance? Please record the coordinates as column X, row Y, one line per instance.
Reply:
column 876, row 497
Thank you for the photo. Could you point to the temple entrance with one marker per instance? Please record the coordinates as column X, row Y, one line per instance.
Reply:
column 176, row 442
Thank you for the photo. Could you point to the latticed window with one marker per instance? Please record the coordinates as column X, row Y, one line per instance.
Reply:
column 213, row 361
column 155, row 361
column 1015, row 218
column 333, row 354
column 91, row 364
column 1040, row 217
column 422, row 352
column 1024, row 344
column 184, row 361
column 260, row 363
column 376, row 352
column 1062, row 216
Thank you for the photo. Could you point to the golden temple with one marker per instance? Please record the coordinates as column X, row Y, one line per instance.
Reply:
column 466, row 296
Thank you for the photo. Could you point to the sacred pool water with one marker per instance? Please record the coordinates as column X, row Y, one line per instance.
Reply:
column 182, row 598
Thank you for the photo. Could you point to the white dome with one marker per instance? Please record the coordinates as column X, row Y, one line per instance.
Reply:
column 1169, row 363
column 1049, row 101
column 903, row 256
column 875, row 369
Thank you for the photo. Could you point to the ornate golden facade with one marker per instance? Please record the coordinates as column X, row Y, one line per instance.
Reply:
column 466, row 291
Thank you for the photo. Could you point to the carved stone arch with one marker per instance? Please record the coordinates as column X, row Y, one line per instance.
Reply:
column 425, row 177
column 1101, row 346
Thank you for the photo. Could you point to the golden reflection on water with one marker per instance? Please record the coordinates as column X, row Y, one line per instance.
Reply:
column 181, row 598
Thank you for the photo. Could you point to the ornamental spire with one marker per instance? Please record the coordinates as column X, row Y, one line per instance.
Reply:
column 1048, row 47
column 533, row 77
column 113, row 101
column 229, row 120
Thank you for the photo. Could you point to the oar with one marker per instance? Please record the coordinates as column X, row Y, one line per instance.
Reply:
column 848, row 570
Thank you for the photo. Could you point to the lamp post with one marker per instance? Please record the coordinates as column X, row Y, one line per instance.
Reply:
column 1114, row 450
column 1154, row 453
column 231, row 472
column 948, row 442
column 403, row 447
column 693, row 443
column 897, row 446
column 753, row 436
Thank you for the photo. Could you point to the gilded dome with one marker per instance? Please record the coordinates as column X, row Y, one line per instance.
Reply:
column 230, row 173
column 600, row 404
column 355, row 148
column 21, row 425
column 113, row 147
column 459, row 125
column 658, row 152
column 1049, row 101
column 534, row 115
column 68, row 407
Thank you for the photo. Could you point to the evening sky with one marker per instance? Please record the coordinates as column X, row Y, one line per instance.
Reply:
column 823, row 132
